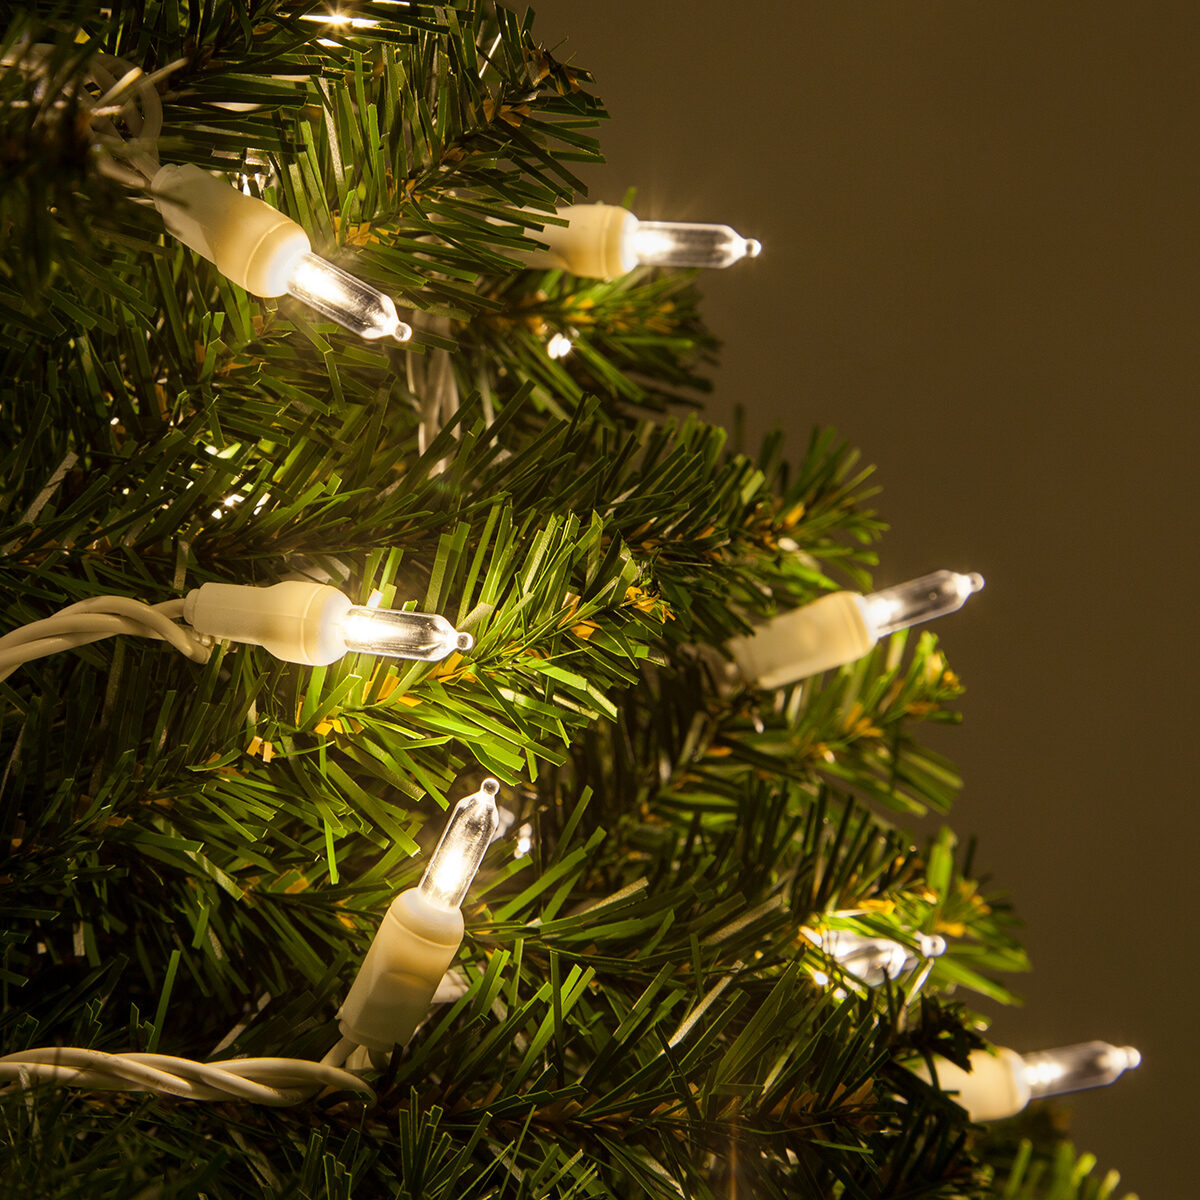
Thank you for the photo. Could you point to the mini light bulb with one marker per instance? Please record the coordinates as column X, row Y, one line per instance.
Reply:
column 467, row 835
column 680, row 244
column 841, row 627
column 605, row 241
column 872, row 960
column 427, row 636
column 303, row 622
column 345, row 299
column 918, row 600
column 265, row 252
column 1073, row 1068
column 420, row 933
column 1000, row 1084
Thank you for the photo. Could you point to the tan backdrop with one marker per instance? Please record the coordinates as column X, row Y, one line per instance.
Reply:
column 980, row 267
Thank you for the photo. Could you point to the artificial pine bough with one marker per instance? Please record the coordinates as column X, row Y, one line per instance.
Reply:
column 468, row 551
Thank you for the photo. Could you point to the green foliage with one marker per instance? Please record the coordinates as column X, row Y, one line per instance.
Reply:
column 196, row 856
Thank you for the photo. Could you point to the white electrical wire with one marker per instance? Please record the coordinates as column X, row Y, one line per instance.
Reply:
column 100, row 617
column 277, row 1082
column 122, row 95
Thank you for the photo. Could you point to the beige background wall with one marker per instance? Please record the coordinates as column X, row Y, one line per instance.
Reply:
column 980, row 266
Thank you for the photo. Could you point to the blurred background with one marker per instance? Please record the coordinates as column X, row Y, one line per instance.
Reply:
column 980, row 267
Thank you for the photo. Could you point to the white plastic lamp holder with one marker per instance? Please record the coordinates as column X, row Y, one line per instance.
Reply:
column 871, row 960
column 265, row 252
column 1000, row 1085
column 843, row 626
column 605, row 241
column 420, row 933
column 315, row 624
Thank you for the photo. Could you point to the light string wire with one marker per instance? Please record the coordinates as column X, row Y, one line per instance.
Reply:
column 121, row 94
column 275, row 1082
column 100, row 617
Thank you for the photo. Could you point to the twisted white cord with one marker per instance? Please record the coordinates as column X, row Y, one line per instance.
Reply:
column 100, row 617
column 278, row 1082
column 126, row 94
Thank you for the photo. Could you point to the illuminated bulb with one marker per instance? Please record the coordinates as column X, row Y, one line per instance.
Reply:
column 679, row 244
column 420, row 933
column 559, row 346
column 265, row 252
column 524, row 840
column 918, row 600
column 1074, row 1068
column 427, row 636
column 315, row 624
column 871, row 960
column 843, row 626
column 1000, row 1085
column 337, row 18
column 460, row 851
column 604, row 241
column 345, row 299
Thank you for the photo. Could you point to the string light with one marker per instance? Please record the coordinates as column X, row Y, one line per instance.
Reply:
column 420, row 933
column 605, row 241
column 315, row 624
column 872, row 960
column 843, row 626
column 1000, row 1085
column 265, row 252
column 681, row 244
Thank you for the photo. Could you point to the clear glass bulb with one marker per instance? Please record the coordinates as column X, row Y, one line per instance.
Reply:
column 1072, row 1068
column 345, row 299
column 918, row 600
column 679, row 244
column 427, row 636
column 460, row 851
column 874, row 959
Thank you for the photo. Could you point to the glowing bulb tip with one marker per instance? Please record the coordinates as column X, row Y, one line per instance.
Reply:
column 464, row 641
column 976, row 581
column 753, row 248
column 492, row 788
column 402, row 332
column 933, row 945
column 1133, row 1058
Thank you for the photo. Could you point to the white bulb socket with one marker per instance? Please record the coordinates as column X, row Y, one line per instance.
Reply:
column 394, row 988
column 597, row 242
column 820, row 636
column 249, row 242
column 994, row 1088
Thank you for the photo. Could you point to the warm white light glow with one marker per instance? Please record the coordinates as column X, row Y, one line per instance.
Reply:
column 559, row 346
column 345, row 299
column 871, row 960
column 681, row 244
column 524, row 840
column 461, row 849
column 339, row 18
column 1072, row 1068
column 906, row 604
column 426, row 636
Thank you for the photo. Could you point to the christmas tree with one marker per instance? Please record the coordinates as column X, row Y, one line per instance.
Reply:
column 652, row 996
